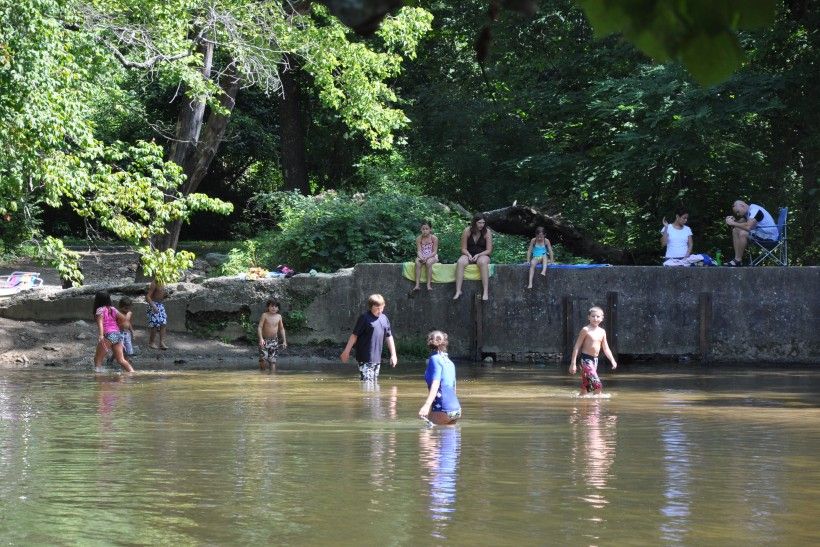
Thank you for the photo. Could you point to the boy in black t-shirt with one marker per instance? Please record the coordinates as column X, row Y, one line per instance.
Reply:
column 371, row 330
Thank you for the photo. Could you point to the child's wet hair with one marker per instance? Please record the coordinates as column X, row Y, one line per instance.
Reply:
column 427, row 223
column 681, row 210
column 431, row 340
column 596, row 308
column 101, row 299
column 272, row 302
column 125, row 303
column 540, row 230
column 375, row 300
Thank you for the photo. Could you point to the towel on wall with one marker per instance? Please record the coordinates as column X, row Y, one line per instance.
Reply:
column 443, row 273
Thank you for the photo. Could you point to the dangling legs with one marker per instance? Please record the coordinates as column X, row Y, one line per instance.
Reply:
column 484, row 267
column 460, row 265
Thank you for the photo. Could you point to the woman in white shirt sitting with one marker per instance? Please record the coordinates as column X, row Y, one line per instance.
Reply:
column 677, row 238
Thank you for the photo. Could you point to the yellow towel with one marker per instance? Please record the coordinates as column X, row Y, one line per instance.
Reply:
column 443, row 273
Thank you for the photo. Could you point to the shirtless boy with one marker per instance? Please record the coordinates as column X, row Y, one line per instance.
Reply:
column 591, row 340
column 157, row 318
column 269, row 328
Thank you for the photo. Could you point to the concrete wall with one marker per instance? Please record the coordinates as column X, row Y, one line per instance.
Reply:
column 721, row 314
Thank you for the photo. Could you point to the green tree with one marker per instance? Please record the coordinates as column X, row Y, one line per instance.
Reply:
column 50, row 79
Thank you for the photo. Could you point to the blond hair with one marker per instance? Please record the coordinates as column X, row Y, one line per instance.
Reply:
column 375, row 300
column 431, row 336
column 596, row 308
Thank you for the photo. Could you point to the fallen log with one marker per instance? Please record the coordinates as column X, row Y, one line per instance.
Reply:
column 523, row 220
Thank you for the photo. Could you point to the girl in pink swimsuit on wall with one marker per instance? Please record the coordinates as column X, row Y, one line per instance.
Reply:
column 426, row 253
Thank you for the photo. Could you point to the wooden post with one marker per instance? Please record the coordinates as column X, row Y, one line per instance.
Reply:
column 569, row 327
column 704, row 325
column 478, row 327
column 611, row 321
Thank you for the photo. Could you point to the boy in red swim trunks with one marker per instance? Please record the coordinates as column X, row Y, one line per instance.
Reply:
column 591, row 340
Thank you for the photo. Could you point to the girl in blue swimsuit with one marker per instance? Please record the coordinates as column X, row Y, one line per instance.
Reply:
column 540, row 250
column 442, row 407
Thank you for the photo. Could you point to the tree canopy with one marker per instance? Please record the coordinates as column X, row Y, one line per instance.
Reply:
column 123, row 117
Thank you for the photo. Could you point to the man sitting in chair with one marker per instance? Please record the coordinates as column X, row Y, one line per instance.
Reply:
column 754, row 221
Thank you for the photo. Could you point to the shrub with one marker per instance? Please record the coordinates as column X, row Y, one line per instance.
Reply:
column 336, row 230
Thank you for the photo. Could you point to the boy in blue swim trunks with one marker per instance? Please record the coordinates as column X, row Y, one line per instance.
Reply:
column 371, row 331
column 591, row 340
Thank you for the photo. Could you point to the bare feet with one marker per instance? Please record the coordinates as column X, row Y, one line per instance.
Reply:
column 458, row 294
column 163, row 346
column 544, row 273
column 429, row 288
column 153, row 346
column 529, row 286
column 485, row 297
column 416, row 288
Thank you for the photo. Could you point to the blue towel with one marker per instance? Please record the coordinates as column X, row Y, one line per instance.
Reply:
column 572, row 266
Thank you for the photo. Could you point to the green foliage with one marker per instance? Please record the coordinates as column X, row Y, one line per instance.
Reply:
column 51, row 78
column 165, row 266
column 703, row 35
column 296, row 320
column 593, row 130
column 67, row 262
column 242, row 258
column 351, row 77
column 412, row 348
column 336, row 230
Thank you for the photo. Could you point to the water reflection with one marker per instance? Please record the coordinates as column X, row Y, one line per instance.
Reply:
column 677, row 464
column 440, row 450
column 594, row 437
column 382, row 443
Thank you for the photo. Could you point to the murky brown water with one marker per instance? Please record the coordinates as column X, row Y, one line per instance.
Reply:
column 677, row 455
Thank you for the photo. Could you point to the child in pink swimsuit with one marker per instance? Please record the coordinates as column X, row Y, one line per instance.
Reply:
column 110, row 336
column 426, row 253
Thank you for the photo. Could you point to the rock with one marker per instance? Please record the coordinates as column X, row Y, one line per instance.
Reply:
column 22, row 359
column 49, row 348
column 80, row 323
column 216, row 259
column 82, row 336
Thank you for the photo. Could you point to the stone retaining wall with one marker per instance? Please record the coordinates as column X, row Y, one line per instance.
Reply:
column 715, row 314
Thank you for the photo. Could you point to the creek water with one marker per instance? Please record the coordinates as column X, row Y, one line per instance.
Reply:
column 676, row 455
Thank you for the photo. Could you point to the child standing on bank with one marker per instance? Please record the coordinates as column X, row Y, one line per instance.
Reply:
column 269, row 329
column 540, row 250
column 442, row 407
column 426, row 253
column 371, row 331
column 110, row 337
column 124, row 322
column 591, row 340
column 157, row 319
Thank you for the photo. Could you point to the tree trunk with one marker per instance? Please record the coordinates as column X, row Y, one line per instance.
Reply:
column 292, row 132
column 189, row 123
column 522, row 220
column 201, row 152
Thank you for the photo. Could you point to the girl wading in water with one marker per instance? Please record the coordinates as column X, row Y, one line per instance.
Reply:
column 442, row 407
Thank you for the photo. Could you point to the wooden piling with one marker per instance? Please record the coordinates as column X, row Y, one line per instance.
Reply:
column 611, row 322
column 478, row 327
column 569, row 327
column 704, row 325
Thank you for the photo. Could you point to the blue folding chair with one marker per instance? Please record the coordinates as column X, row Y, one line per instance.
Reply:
column 776, row 250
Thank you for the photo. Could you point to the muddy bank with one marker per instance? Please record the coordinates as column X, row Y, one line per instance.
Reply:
column 70, row 344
